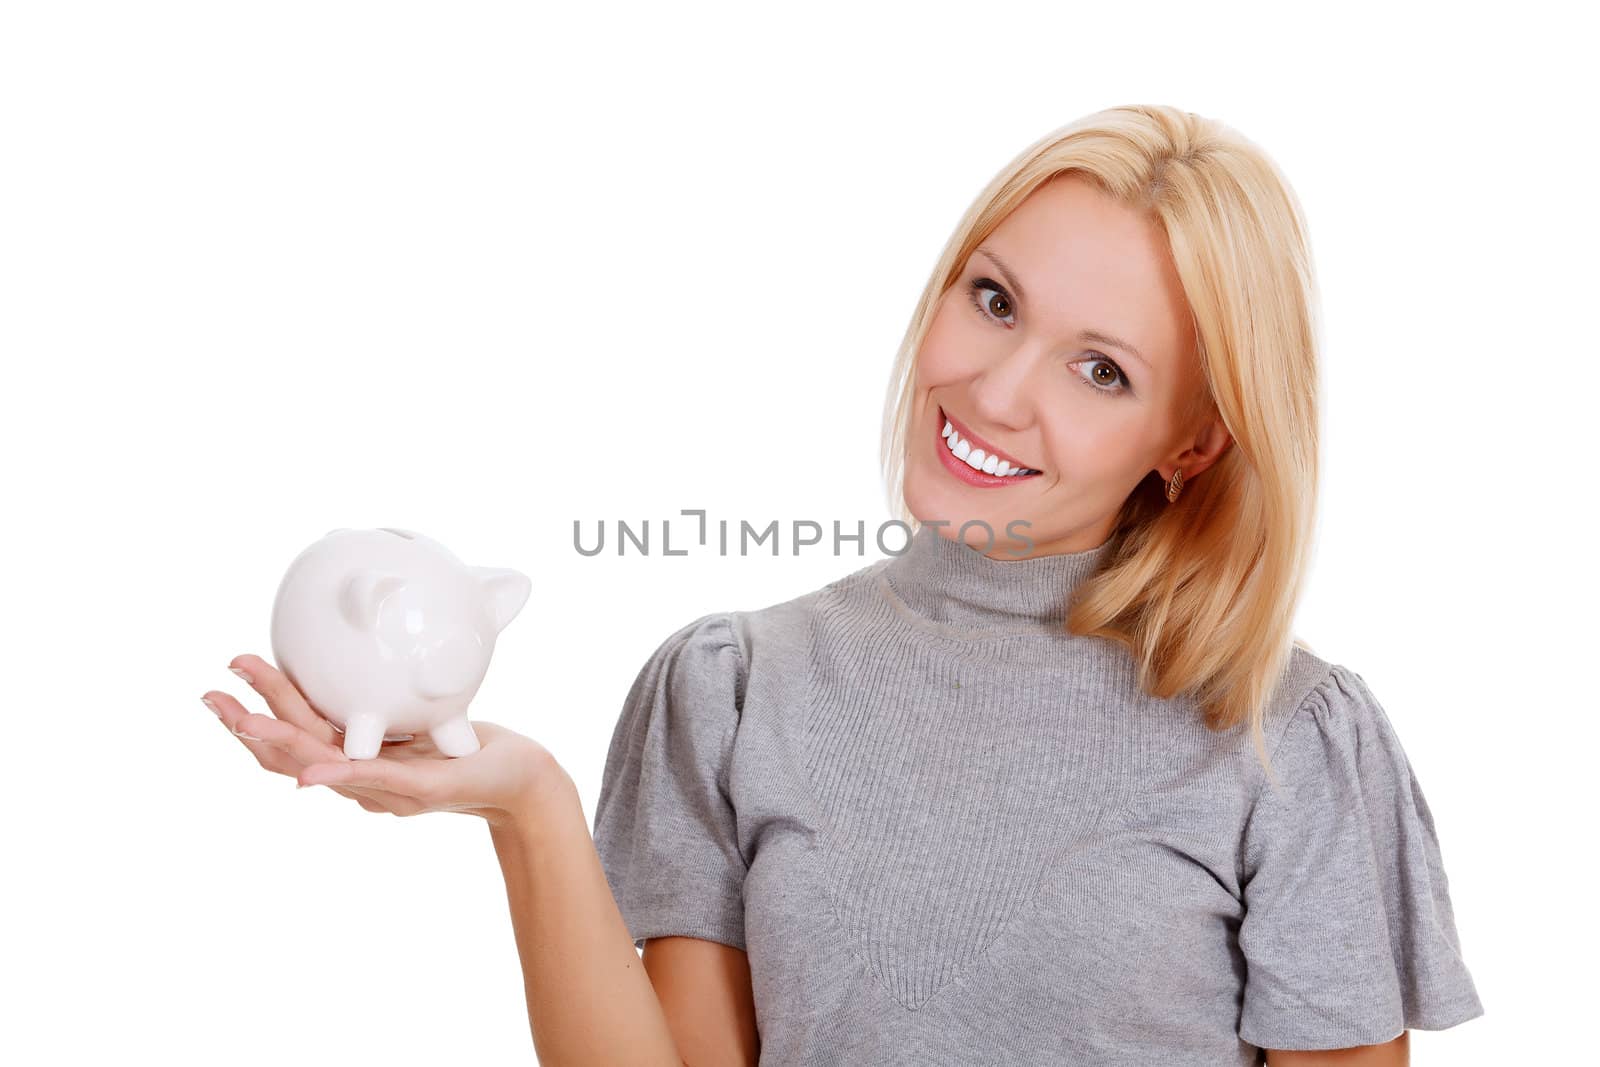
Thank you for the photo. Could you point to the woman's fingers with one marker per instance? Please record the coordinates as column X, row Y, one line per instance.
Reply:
column 270, row 757
column 371, row 798
column 293, row 742
column 408, row 781
column 230, row 713
column 276, row 745
column 286, row 702
column 287, row 750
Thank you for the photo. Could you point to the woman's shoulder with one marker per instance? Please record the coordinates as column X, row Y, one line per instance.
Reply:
column 1305, row 675
column 1323, row 714
column 786, row 620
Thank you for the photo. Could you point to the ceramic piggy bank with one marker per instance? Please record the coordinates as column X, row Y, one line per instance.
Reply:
column 387, row 634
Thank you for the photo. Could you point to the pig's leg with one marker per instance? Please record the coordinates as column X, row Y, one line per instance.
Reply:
column 455, row 738
column 363, row 736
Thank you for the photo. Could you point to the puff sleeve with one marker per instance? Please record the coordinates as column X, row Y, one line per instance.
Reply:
column 1348, row 933
column 664, row 824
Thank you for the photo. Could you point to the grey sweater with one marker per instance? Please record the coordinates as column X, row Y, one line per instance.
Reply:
column 945, row 831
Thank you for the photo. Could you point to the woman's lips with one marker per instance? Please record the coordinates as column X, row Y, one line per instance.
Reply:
column 964, row 470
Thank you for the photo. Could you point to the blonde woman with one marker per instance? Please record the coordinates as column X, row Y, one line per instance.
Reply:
column 1056, row 784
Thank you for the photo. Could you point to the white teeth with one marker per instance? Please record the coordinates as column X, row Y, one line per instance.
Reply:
column 977, row 459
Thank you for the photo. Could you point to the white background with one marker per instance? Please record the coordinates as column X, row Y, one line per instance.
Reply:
column 480, row 270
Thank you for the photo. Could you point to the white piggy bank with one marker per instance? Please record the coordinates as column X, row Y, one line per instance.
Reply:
column 387, row 634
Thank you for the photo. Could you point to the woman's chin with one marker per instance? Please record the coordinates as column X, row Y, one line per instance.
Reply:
column 952, row 505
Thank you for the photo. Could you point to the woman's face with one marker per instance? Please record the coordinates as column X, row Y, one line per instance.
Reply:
column 1065, row 346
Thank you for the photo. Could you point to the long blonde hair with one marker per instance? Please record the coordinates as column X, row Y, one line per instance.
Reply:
column 1201, row 591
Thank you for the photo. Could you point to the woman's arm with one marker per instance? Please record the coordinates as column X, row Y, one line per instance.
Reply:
column 589, row 998
column 705, row 990
column 1396, row 1053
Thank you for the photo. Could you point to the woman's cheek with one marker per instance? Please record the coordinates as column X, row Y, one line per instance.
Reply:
column 942, row 353
column 1082, row 434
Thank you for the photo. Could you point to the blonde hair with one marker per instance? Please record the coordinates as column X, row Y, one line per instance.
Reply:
column 1202, row 591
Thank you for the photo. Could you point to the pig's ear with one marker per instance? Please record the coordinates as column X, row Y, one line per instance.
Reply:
column 363, row 593
column 507, row 589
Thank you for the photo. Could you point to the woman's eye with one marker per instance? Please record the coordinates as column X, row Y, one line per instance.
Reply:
column 1118, row 382
column 992, row 301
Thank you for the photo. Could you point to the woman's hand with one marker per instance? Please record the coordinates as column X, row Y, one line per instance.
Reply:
column 506, row 780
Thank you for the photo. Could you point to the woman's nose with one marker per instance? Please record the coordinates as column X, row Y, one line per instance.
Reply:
column 1008, row 386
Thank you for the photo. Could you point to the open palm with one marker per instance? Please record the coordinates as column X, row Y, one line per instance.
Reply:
column 500, row 782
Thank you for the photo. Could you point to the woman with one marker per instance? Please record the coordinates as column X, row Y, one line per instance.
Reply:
column 1055, row 784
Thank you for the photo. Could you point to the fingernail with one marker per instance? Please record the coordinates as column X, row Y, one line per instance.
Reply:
column 247, row 679
column 247, row 737
column 214, row 710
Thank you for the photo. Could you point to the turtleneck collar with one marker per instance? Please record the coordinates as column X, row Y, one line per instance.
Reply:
column 944, row 581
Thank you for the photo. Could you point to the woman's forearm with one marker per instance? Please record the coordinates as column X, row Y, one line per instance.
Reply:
column 589, row 998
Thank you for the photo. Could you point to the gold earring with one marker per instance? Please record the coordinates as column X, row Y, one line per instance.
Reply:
column 1175, row 486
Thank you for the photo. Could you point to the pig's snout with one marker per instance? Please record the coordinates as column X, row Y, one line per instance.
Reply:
column 450, row 666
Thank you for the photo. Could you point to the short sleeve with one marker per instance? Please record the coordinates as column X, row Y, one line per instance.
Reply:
column 664, row 824
column 1348, row 933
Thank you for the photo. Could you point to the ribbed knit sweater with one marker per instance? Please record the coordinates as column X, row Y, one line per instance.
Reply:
column 946, row 831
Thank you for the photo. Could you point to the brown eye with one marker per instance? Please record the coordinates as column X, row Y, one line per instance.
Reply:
column 991, row 300
column 1106, row 377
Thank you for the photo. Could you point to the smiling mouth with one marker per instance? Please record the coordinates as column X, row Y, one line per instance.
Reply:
column 965, row 446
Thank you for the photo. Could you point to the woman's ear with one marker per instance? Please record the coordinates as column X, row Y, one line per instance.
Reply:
column 1210, row 442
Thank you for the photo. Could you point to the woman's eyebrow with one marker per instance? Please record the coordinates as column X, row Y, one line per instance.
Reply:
column 1096, row 336
column 1005, row 273
column 1099, row 338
